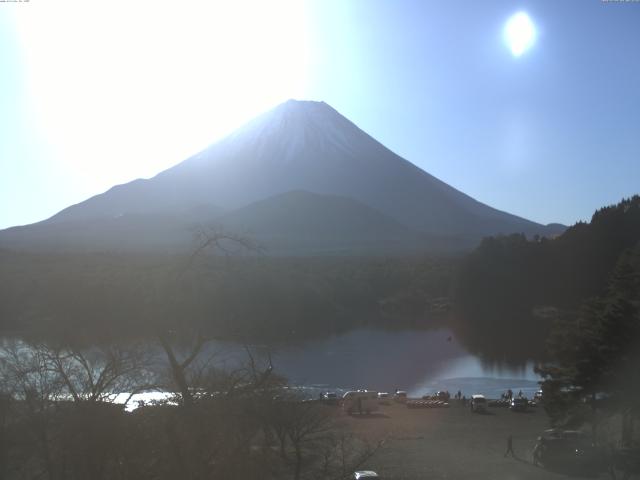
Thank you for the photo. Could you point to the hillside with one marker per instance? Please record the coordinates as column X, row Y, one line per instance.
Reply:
column 303, row 222
column 510, row 289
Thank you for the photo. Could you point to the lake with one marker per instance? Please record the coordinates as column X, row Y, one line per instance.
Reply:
column 418, row 361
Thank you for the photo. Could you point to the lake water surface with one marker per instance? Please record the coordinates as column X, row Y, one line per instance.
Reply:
column 418, row 361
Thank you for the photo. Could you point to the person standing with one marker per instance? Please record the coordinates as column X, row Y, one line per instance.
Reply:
column 537, row 451
column 510, row 447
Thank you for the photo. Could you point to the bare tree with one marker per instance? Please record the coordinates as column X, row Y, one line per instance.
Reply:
column 63, row 404
column 312, row 443
column 99, row 373
column 179, row 368
column 306, row 421
column 6, row 414
column 184, row 348
column 341, row 455
column 28, row 379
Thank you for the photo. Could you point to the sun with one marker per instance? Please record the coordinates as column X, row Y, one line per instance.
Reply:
column 519, row 33
column 123, row 90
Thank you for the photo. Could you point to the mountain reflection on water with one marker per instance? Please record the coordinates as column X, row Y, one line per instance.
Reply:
column 419, row 361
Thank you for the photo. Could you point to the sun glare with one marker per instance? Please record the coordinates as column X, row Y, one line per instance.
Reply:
column 124, row 89
column 519, row 33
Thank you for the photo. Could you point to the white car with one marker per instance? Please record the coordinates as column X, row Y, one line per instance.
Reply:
column 478, row 403
column 360, row 401
column 400, row 396
column 365, row 474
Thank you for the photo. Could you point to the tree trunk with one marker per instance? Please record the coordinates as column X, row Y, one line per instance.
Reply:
column 175, row 446
column 594, row 419
column 283, row 445
column 298, row 469
column 178, row 373
column 627, row 428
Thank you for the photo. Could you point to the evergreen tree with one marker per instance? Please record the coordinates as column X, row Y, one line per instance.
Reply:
column 596, row 358
column 509, row 288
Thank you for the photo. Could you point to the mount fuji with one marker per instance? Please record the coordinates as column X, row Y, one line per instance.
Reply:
column 300, row 179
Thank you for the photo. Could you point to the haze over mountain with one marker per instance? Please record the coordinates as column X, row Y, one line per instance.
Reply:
column 300, row 178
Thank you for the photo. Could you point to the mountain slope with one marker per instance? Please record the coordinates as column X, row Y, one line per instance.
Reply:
column 301, row 222
column 299, row 146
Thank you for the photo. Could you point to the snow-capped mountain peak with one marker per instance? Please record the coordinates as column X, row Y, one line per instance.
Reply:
column 301, row 146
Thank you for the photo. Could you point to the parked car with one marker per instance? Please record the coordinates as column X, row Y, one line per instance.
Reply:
column 478, row 403
column 360, row 401
column 383, row 398
column 400, row 396
column 627, row 460
column 519, row 404
column 538, row 396
column 362, row 474
column 329, row 398
column 570, row 451
column 442, row 396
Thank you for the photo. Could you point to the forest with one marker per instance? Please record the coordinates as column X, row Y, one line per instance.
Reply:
column 511, row 289
column 572, row 303
column 254, row 299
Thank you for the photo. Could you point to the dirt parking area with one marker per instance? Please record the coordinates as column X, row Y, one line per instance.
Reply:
column 452, row 443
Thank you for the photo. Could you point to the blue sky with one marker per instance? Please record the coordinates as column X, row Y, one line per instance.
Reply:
column 98, row 93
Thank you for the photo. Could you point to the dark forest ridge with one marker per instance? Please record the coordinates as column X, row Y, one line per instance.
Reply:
column 340, row 178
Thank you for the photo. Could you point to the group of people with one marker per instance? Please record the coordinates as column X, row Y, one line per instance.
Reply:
column 459, row 396
column 508, row 395
column 445, row 395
